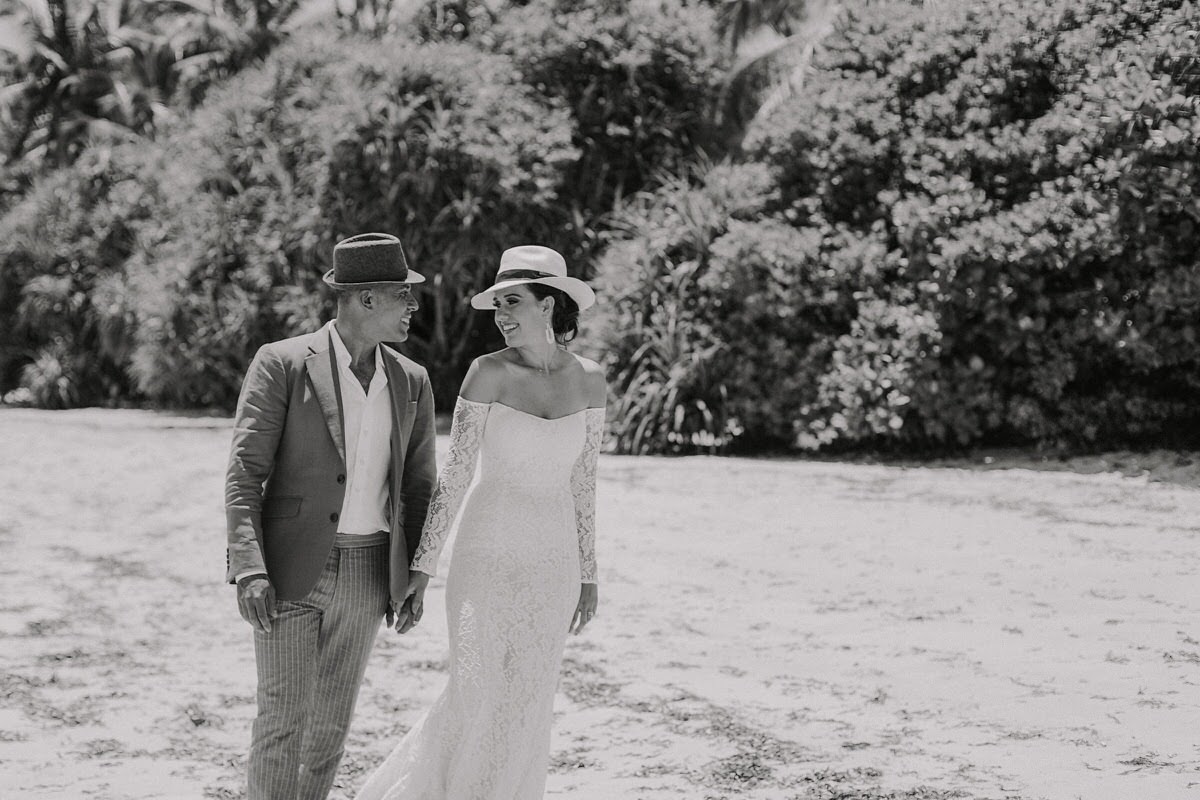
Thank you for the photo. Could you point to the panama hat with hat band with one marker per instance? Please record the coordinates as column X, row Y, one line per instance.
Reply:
column 369, row 259
column 533, row 263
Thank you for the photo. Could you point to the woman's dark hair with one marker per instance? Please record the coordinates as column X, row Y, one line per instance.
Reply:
column 564, row 320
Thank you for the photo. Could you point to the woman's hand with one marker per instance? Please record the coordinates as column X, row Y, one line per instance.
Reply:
column 409, row 613
column 586, row 608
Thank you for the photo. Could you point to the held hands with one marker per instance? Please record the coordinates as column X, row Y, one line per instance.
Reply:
column 409, row 614
column 588, row 600
column 256, row 601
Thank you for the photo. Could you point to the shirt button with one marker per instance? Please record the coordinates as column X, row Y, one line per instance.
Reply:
column 333, row 517
column 341, row 479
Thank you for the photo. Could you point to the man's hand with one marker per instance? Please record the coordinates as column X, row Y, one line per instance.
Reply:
column 413, row 606
column 256, row 601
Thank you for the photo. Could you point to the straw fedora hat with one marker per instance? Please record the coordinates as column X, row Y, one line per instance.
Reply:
column 367, row 259
column 531, row 263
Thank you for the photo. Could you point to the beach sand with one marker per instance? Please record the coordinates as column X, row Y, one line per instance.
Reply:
column 774, row 629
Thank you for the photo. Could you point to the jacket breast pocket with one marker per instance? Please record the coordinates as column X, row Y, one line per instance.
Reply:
column 410, row 416
column 281, row 507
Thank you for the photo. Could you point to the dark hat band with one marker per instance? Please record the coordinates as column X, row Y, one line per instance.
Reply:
column 522, row 274
column 576, row 289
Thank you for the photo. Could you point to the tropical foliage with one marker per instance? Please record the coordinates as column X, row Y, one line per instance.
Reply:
column 980, row 227
column 286, row 161
column 639, row 76
column 813, row 224
column 109, row 70
column 450, row 145
column 64, row 297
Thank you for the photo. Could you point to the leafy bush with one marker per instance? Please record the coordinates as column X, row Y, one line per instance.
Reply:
column 461, row 149
column 671, row 363
column 982, row 228
column 438, row 143
column 640, row 79
column 65, row 304
column 457, row 21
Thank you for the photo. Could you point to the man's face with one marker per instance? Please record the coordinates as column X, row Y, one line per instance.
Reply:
column 391, row 312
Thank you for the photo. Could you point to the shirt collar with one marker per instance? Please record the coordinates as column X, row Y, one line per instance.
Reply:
column 343, row 354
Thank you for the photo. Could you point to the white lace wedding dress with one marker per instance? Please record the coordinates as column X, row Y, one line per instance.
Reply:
column 525, row 542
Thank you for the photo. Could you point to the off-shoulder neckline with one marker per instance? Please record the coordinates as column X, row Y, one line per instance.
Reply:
column 527, row 413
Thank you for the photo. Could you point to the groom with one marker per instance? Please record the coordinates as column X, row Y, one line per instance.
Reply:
column 328, row 484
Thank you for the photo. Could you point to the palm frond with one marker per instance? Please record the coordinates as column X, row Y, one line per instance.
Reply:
column 739, row 19
column 12, row 93
column 785, row 59
column 805, row 44
column 40, row 15
column 51, row 55
column 14, row 37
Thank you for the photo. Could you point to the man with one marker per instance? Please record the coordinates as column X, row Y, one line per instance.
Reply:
column 329, row 480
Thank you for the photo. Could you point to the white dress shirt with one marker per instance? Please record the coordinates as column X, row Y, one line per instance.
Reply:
column 367, row 421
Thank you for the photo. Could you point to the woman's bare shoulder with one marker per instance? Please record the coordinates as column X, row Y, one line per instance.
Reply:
column 484, row 377
column 589, row 366
column 595, row 382
column 493, row 362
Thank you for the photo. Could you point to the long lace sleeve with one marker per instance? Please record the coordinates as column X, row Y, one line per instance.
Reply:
column 583, row 488
column 466, row 432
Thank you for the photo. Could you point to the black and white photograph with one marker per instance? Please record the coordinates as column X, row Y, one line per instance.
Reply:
column 600, row 399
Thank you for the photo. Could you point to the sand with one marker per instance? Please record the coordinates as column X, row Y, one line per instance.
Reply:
column 771, row 629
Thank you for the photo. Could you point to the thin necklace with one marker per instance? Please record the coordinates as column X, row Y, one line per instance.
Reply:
column 544, row 371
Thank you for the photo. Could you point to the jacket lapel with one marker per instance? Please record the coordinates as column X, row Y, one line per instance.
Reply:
column 397, row 382
column 398, row 387
column 322, row 372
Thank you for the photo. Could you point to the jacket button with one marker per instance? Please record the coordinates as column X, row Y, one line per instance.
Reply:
column 341, row 479
column 333, row 517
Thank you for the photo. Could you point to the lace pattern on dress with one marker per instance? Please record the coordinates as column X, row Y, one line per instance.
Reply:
column 466, row 432
column 511, row 588
column 583, row 489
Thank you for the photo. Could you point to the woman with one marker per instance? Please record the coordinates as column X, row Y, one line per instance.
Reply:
column 523, row 572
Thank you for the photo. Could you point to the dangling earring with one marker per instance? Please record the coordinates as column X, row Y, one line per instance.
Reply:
column 549, row 333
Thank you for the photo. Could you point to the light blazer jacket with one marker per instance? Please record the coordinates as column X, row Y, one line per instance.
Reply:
column 287, row 469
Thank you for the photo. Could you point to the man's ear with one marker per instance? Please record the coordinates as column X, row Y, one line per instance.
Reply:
column 366, row 298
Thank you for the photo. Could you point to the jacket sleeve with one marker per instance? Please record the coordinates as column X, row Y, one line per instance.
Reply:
column 420, row 467
column 583, row 489
column 466, row 433
column 258, row 425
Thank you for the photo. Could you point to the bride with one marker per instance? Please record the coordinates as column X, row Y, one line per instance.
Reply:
column 523, row 571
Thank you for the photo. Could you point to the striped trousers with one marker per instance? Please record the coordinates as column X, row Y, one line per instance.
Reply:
column 309, row 669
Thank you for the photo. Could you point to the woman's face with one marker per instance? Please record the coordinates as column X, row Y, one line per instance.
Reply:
column 520, row 316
